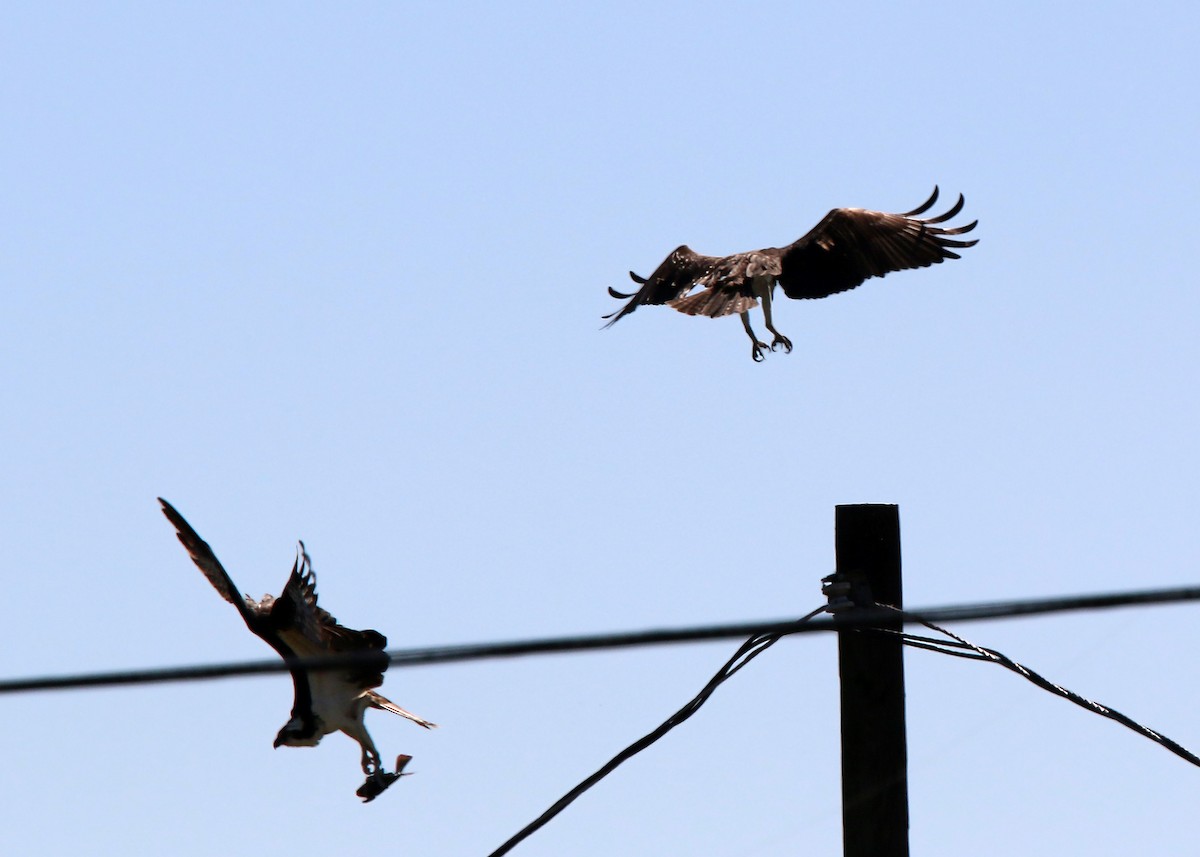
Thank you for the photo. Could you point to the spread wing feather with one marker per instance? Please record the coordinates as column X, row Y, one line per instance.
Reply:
column 851, row 245
column 311, row 631
column 678, row 274
column 204, row 558
column 259, row 618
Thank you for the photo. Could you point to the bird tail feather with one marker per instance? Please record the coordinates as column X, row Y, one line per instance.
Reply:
column 714, row 303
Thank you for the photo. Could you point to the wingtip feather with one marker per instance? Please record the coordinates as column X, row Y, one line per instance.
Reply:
column 924, row 207
column 951, row 212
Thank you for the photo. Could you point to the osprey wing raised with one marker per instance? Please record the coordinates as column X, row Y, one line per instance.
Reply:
column 326, row 700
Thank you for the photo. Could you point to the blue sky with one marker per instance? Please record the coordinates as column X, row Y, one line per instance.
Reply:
column 336, row 273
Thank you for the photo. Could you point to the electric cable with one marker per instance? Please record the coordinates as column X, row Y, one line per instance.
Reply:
column 993, row 656
column 749, row 650
column 862, row 618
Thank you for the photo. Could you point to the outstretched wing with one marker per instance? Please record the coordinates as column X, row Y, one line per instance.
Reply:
column 259, row 618
column 852, row 244
column 311, row 631
column 678, row 274
column 204, row 558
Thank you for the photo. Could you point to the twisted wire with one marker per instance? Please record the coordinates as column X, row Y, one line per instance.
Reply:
column 965, row 648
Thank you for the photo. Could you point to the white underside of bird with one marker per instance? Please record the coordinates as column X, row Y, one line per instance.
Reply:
column 339, row 706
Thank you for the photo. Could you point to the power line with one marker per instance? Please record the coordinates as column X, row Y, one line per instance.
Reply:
column 747, row 652
column 862, row 617
column 959, row 646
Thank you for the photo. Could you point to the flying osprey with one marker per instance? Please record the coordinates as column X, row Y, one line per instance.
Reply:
column 295, row 627
column 847, row 247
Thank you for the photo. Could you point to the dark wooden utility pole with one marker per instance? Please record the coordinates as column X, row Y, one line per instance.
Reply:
column 871, row 666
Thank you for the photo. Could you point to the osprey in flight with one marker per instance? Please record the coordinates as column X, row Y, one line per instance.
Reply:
column 847, row 247
column 295, row 627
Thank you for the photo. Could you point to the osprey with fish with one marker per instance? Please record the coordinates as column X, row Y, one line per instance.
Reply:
column 326, row 700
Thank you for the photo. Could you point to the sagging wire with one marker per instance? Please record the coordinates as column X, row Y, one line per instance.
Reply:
column 960, row 647
column 752, row 648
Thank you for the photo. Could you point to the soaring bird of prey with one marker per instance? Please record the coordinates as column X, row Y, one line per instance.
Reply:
column 847, row 247
column 294, row 626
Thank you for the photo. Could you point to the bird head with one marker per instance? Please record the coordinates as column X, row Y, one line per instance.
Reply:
column 298, row 733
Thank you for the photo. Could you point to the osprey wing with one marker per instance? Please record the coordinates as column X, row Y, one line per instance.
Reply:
column 259, row 618
column 852, row 244
column 204, row 558
column 678, row 274
column 311, row 631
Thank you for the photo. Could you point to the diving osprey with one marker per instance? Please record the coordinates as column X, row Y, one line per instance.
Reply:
column 295, row 627
column 848, row 246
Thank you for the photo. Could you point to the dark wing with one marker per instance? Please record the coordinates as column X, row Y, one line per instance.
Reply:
column 311, row 631
column 853, row 244
column 261, row 623
column 204, row 558
column 678, row 274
